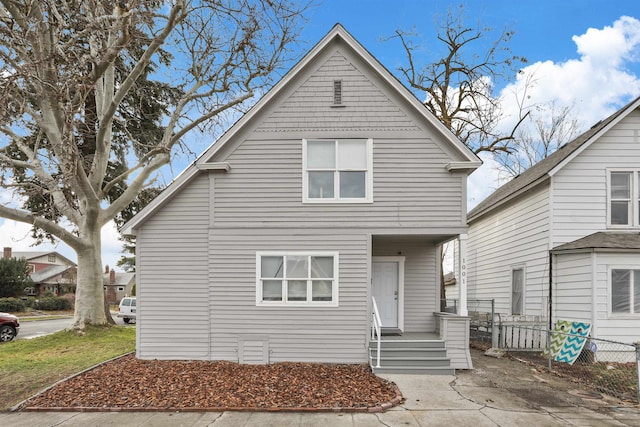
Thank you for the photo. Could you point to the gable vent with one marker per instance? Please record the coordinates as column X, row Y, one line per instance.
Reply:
column 337, row 92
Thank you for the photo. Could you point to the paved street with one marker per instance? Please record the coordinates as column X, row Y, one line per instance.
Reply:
column 37, row 328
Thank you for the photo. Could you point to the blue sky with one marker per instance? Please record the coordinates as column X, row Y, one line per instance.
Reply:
column 543, row 28
column 585, row 53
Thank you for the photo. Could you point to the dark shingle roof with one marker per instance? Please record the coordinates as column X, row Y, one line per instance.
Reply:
column 538, row 173
column 604, row 240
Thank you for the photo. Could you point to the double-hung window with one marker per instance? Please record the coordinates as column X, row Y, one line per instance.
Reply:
column 624, row 198
column 297, row 278
column 625, row 291
column 338, row 170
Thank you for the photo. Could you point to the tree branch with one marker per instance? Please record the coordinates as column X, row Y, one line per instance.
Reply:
column 28, row 218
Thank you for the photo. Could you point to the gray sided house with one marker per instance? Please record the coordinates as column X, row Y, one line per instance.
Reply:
column 335, row 188
column 576, row 213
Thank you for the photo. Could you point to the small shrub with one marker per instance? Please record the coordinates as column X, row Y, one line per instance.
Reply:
column 52, row 304
column 14, row 305
column 71, row 299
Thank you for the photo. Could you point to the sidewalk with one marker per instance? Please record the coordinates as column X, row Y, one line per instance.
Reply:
column 499, row 392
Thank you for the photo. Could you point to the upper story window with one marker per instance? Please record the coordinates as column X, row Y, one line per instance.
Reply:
column 297, row 278
column 624, row 198
column 625, row 291
column 51, row 258
column 338, row 170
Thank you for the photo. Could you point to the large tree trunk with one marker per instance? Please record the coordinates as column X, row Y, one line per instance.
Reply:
column 90, row 290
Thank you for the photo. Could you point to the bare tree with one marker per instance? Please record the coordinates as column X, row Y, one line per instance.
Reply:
column 74, row 75
column 459, row 84
column 547, row 128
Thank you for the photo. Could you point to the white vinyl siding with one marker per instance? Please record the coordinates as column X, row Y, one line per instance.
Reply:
column 172, row 277
column 308, row 106
column 411, row 189
column 517, row 235
column 572, row 287
column 581, row 188
column 613, row 326
column 311, row 332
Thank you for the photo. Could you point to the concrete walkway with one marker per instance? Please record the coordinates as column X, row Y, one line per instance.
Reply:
column 462, row 400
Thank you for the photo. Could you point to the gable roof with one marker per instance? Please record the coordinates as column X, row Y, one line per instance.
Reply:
column 603, row 240
column 544, row 169
column 29, row 255
column 122, row 279
column 469, row 161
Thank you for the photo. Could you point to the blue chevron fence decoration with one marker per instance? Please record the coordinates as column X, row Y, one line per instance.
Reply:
column 574, row 342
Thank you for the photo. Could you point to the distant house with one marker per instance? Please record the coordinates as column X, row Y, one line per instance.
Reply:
column 117, row 285
column 50, row 271
column 577, row 214
column 333, row 191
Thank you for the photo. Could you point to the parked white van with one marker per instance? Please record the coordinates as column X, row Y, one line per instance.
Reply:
column 127, row 309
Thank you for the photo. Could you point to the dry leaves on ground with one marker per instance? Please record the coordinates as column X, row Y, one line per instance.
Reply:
column 163, row 384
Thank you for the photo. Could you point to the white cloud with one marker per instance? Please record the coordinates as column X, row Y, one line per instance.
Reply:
column 598, row 82
column 595, row 84
column 484, row 181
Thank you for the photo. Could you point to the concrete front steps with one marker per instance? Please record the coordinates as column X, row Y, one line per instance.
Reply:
column 410, row 357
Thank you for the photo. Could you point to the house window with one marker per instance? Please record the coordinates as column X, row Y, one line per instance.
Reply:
column 52, row 258
column 517, row 287
column 297, row 278
column 624, row 198
column 625, row 291
column 120, row 288
column 338, row 170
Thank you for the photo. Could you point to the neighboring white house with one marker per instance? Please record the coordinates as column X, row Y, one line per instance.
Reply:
column 338, row 186
column 578, row 210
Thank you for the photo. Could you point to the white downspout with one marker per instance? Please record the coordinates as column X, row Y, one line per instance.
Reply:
column 462, row 274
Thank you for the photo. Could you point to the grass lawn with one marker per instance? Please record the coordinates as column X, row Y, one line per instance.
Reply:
column 27, row 366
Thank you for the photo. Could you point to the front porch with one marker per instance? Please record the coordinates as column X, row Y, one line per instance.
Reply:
column 409, row 334
column 439, row 353
column 411, row 353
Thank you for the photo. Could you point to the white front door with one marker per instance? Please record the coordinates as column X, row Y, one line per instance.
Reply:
column 385, row 289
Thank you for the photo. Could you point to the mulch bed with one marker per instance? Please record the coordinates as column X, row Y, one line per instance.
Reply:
column 127, row 384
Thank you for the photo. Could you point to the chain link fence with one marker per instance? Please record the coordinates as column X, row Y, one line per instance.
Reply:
column 606, row 366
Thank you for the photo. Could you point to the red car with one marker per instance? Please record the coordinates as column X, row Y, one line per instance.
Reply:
column 9, row 327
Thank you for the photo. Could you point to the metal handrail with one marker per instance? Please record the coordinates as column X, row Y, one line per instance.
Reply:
column 376, row 327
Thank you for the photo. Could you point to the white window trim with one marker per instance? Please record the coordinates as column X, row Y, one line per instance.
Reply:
column 610, row 313
column 369, row 182
column 524, row 287
column 635, row 198
column 284, row 302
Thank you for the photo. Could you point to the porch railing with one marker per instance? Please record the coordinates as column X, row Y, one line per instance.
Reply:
column 376, row 327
